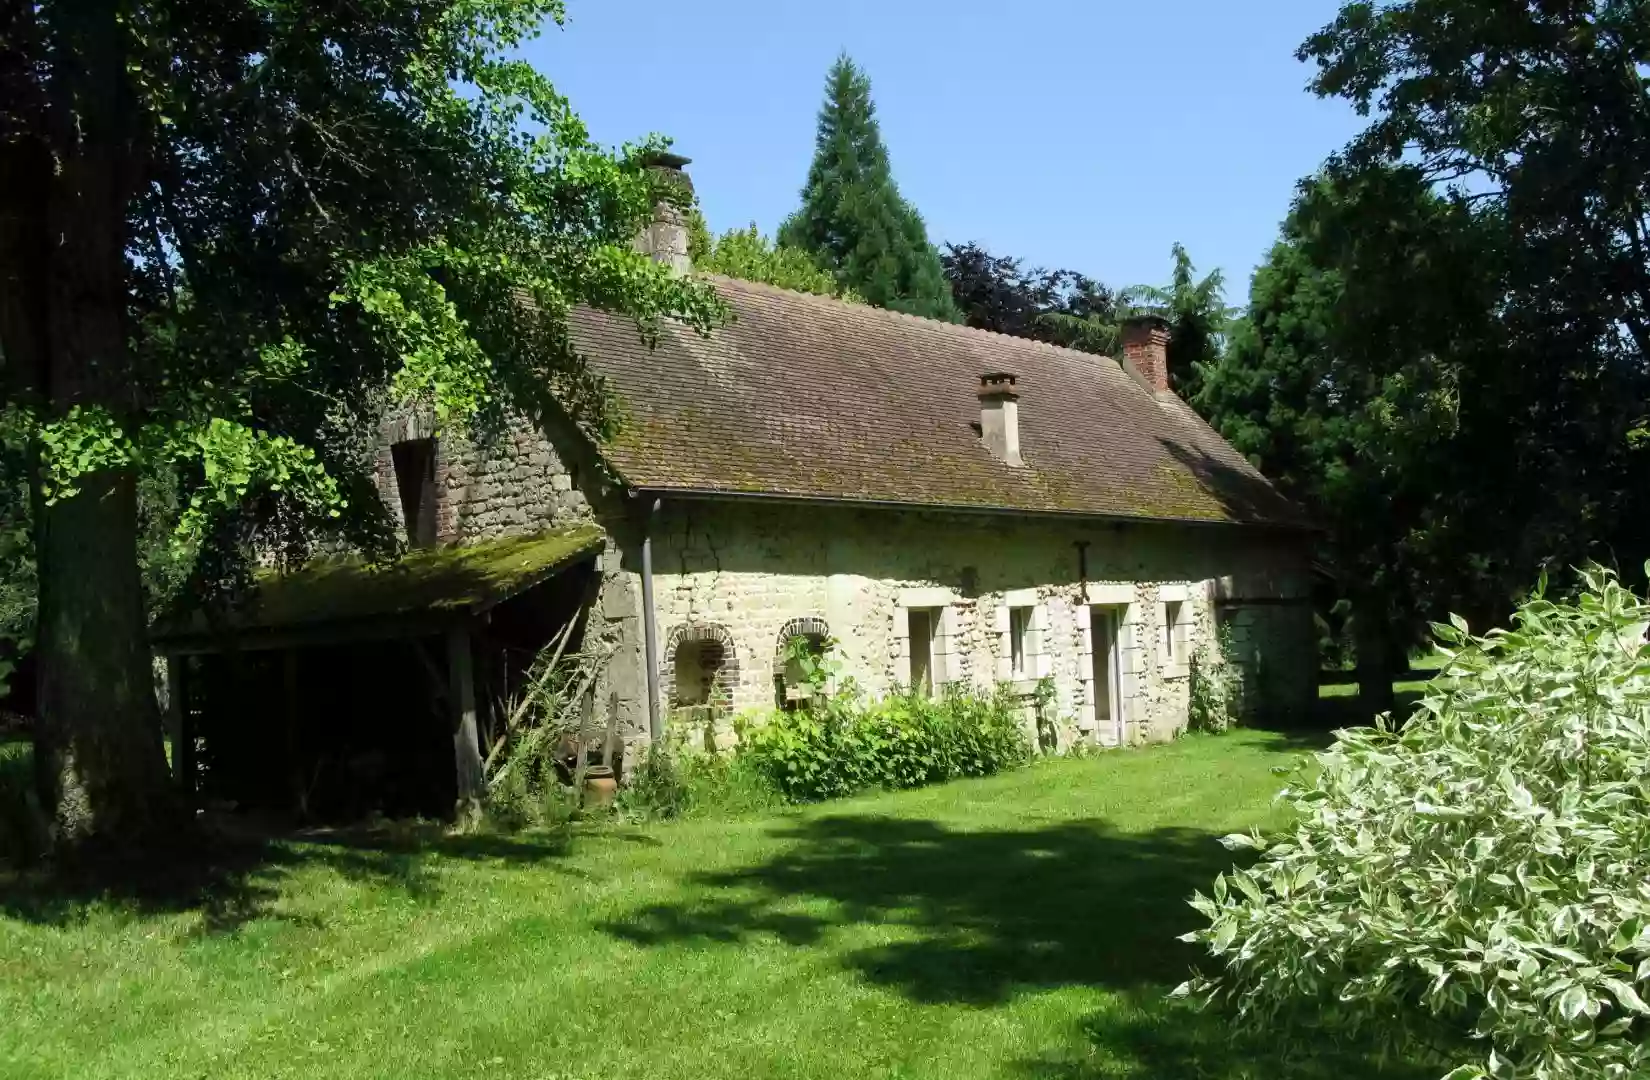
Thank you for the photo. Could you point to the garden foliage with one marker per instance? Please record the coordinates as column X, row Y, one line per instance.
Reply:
column 672, row 783
column 1215, row 691
column 844, row 744
column 1478, row 882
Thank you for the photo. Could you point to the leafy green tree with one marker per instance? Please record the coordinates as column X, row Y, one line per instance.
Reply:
column 231, row 233
column 1538, row 112
column 1470, row 890
column 1536, row 118
column 1061, row 307
column 1197, row 314
column 1354, row 384
column 749, row 256
column 1444, row 357
column 853, row 221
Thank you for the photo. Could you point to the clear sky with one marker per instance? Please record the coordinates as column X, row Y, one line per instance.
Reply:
column 1080, row 135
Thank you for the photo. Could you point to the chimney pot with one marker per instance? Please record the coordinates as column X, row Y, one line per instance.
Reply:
column 998, row 384
column 664, row 239
column 1146, row 347
column 1000, row 416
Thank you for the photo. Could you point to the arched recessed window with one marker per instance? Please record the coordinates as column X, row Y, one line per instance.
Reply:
column 792, row 685
column 702, row 667
column 696, row 667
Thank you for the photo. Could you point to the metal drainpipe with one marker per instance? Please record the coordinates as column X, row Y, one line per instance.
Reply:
column 650, row 630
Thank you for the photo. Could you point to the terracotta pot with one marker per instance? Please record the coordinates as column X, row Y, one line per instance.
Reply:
column 600, row 787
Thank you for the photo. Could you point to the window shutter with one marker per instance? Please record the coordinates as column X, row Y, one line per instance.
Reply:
column 946, row 666
column 1039, row 662
column 1001, row 621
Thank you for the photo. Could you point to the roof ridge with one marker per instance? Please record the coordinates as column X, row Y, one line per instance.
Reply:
column 1076, row 356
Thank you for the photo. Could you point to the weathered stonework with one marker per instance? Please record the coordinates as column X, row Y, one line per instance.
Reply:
column 751, row 569
column 521, row 482
column 510, row 485
column 749, row 574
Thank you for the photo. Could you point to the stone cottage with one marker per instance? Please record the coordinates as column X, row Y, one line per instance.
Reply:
column 950, row 506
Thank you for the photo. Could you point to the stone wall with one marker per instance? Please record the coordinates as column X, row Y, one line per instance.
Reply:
column 520, row 483
column 749, row 569
column 511, row 485
column 745, row 574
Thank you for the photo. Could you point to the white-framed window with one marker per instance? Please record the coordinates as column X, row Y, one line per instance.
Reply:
column 1105, row 674
column 925, row 627
column 1173, row 634
column 1019, row 642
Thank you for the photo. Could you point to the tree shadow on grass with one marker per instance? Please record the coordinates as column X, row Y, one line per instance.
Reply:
column 1148, row 1037
column 981, row 917
column 1287, row 739
column 1346, row 710
column 235, row 875
column 989, row 914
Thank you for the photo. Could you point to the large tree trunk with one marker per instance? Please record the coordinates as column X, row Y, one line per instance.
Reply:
column 1373, row 641
column 99, row 755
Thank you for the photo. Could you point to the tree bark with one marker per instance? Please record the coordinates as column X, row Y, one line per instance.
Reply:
column 1373, row 643
column 99, row 760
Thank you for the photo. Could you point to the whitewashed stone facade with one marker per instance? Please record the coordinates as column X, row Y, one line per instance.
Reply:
column 734, row 579
column 750, row 568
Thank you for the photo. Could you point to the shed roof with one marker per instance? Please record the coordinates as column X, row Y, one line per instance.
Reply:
column 809, row 397
column 415, row 592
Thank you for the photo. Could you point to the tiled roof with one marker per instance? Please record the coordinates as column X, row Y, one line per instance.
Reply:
column 805, row 396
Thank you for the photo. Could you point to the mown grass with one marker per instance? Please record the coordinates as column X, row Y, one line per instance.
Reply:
column 1017, row 926
column 1338, row 704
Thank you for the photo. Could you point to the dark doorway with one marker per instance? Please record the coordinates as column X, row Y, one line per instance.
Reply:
column 415, row 477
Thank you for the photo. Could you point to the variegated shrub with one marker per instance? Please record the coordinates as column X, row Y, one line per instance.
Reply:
column 1475, row 886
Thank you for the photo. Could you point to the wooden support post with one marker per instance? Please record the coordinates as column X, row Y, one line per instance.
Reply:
column 180, row 728
column 466, row 741
column 297, row 790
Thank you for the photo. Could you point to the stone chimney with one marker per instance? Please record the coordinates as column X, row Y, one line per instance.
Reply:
column 1000, row 417
column 1146, row 346
column 665, row 238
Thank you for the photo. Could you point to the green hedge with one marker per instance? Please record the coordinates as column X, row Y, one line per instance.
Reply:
column 903, row 741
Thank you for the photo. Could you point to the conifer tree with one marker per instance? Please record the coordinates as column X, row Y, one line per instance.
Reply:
column 853, row 221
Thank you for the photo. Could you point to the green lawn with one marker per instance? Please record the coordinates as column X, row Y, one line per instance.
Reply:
column 1020, row 926
column 1338, row 702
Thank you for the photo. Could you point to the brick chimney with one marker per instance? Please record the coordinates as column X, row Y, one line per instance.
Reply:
column 1146, row 346
column 665, row 238
column 1000, row 417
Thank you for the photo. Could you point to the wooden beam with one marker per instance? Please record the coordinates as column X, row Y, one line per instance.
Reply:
column 305, row 637
column 466, row 741
column 296, row 789
column 180, row 728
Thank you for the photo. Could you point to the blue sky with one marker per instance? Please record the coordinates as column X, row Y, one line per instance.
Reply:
column 1088, row 136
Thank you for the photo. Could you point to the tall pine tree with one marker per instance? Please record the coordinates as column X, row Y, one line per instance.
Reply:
column 853, row 221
